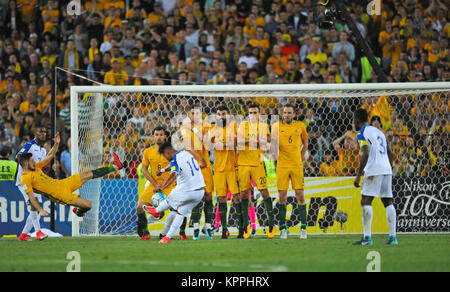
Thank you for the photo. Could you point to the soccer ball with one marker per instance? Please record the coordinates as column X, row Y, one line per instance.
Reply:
column 340, row 216
column 157, row 199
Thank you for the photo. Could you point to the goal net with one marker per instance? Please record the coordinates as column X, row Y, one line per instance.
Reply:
column 413, row 116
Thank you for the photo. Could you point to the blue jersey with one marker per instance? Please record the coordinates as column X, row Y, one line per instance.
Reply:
column 36, row 150
column 189, row 174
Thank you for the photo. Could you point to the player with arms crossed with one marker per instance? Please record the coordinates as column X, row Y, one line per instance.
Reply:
column 222, row 139
column 289, row 145
column 157, row 162
column 36, row 149
column 253, row 135
column 58, row 191
column 192, row 131
column 187, row 194
column 376, row 163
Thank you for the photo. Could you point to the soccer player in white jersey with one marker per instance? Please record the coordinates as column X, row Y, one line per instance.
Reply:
column 376, row 163
column 185, row 196
column 36, row 148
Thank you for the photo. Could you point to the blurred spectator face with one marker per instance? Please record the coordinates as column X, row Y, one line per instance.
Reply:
column 276, row 50
column 409, row 142
column 292, row 66
column 243, row 68
column 70, row 45
column 343, row 37
column 389, row 136
column 115, row 66
column 260, row 33
column 388, row 26
column 182, row 35
column 94, row 43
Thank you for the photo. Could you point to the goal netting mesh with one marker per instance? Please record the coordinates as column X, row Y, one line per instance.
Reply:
column 413, row 118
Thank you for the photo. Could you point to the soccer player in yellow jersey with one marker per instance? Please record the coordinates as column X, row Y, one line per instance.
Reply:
column 253, row 136
column 290, row 142
column 157, row 162
column 192, row 131
column 58, row 191
column 222, row 139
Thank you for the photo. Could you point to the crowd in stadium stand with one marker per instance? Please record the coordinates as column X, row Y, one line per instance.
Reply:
column 168, row 42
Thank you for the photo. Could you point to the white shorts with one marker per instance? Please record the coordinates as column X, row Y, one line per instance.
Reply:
column 184, row 201
column 377, row 185
column 25, row 196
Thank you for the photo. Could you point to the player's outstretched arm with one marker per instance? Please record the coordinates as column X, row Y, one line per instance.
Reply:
column 51, row 154
column 362, row 163
column 36, row 204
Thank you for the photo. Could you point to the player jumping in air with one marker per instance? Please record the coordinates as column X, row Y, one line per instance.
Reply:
column 290, row 142
column 376, row 163
column 187, row 194
column 253, row 136
column 58, row 191
column 156, row 162
column 192, row 131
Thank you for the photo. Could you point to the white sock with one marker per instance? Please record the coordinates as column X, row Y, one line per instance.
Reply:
column 168, row 223
column 207, row 226
column 163, row 206
column 175, row 226
column 392, row 219
column 28, row 224
column 367, row 214
column 35, row 220
column 196, row 226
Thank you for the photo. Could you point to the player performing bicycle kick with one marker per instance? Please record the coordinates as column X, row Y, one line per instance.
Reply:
column 58, row 191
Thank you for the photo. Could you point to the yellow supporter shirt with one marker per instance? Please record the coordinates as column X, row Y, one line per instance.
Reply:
column 116, row 78
column 289, row 143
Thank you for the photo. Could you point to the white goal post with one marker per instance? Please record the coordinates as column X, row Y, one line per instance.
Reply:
column 87, row 130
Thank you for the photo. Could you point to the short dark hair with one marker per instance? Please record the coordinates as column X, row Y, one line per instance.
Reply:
column 253, row 105
column 22, row 158
column 222, row 108
column 159, row 128
column 166, row 145
column 361, row 115
column 289, row 105
column 376, row 118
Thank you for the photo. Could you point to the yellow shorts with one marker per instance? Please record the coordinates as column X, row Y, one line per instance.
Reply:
column 246, row 173
column 225, row 180
column 149, row 192
column 209, row 180
column 294, row 175
column 63, row 191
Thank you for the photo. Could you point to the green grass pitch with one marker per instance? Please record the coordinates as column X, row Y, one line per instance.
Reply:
column 317, row 253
